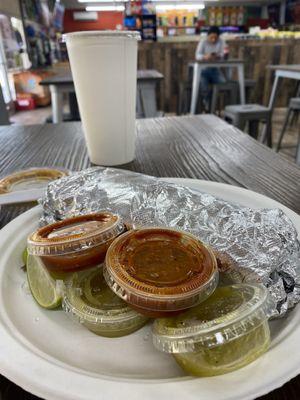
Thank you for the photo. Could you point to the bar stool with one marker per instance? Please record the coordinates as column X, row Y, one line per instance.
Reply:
column 229, row 90
column 294, row 107
column 249, row 86
column 184, row 99
column 252, row 114
column 146, row 106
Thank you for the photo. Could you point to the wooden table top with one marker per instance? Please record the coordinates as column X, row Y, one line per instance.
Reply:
column 149, row 74
column 289, row 68
column 202, row 147
column 227, row 62
column 64, row 77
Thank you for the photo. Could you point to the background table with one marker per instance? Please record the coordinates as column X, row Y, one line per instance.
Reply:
column 62, row 82
column 203, row 147
column 288, row 72
column 200, row 65
column 282, row 71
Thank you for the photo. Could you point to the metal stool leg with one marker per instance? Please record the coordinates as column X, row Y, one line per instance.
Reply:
column 298, row 150
column 234, row 95
column 214, row 99
column 295, row 117
column 180, row 102
column 285, row 124
column 253, row 129
column 239, row 122
column 74, row 110
column 267, row 132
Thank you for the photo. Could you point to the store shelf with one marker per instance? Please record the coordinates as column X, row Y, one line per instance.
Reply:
column 176, row 27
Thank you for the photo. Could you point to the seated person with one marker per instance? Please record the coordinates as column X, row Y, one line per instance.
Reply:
column 210, row 49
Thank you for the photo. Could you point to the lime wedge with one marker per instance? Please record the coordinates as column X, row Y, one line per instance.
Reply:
column 45, row 290
column 24, row 256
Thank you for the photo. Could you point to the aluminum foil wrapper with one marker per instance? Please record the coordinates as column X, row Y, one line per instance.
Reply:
column 262, row 245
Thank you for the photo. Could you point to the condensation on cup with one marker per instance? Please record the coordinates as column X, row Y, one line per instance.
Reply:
column 104, row 69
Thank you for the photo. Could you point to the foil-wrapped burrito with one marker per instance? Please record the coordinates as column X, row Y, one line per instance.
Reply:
column 262, row 245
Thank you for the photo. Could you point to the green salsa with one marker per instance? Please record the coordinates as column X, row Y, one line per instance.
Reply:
column 226, row 332
column 92, row 303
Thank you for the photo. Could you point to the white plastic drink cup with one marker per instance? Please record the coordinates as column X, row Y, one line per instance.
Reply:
column 104, row 69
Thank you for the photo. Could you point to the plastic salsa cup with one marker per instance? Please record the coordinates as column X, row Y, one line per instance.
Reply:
column 88, row 300
column 160, row 271
column 75, row 243
column 226, row 332
column 29, row 179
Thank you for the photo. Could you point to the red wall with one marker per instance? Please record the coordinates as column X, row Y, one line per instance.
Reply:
column 106, row 20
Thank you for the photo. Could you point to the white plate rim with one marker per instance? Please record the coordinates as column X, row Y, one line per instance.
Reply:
column 174, row 388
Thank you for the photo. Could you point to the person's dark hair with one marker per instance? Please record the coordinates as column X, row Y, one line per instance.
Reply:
column 214, row 29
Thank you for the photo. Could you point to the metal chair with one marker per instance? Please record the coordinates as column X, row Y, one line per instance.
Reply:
column 252, row 114
column 229, row 90
column 184, row 99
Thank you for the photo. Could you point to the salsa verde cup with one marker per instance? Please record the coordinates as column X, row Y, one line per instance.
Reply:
column 226, row 332
column 89, row 300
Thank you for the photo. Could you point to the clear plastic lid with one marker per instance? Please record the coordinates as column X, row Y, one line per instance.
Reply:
column 229, row 313
column 160, row 269
column 75, row 234
column 32, row 178
column 102, row 34
column 89, row 299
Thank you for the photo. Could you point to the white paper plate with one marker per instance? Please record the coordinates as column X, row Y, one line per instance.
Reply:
column 54, row 358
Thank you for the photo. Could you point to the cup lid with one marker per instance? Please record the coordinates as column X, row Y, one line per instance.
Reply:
column 227, row 314
column 29, row 179
column 88, row 298
column 103, row 34
column 74, row 234
column 160, row 263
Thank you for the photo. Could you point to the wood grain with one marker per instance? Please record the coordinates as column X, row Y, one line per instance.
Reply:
column 203, row 147
column 230, row 61
column 65, row 77
column 283, row 67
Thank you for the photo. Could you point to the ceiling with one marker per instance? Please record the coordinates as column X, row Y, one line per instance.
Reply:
column 76, row 4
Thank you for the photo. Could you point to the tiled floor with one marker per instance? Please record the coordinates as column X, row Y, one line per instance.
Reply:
column 39, row 116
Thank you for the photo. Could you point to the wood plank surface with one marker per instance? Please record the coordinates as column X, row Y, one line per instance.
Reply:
column 284, row 67
column 65, row 77
column 228, row 62
column 203, row 147
column 149, row 74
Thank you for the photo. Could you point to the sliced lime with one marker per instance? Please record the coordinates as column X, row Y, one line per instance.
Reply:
column 24, row 256
column 44, row 288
